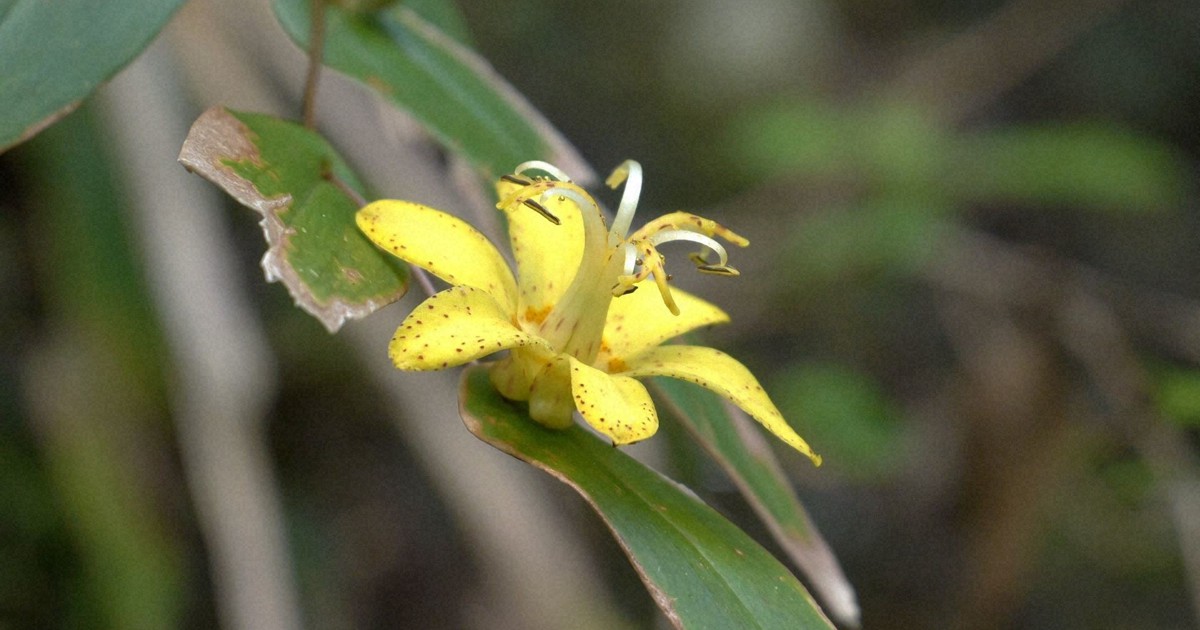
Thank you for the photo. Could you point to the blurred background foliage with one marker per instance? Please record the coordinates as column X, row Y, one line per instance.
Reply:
column 973, row 286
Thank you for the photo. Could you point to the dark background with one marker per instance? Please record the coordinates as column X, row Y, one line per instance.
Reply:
column 972, row 286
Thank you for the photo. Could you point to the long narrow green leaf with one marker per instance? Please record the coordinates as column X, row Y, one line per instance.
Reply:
column 292, row 177
column 1101, row 166
column 701, row 570
column 737, row 446
column 94, row 392
column 55, row 53
column 454, row 92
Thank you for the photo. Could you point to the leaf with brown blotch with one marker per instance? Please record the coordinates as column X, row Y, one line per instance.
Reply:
column 298, row 183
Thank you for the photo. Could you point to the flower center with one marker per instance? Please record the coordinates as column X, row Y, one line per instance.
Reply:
column 614, row 262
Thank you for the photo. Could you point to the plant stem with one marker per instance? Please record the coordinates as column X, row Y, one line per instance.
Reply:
column 316, row 49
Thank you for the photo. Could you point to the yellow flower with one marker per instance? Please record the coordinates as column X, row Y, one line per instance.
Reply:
column 577, row 331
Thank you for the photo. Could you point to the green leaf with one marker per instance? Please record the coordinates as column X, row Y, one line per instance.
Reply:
column 740, row 449
column 452, row 91
column 890, row 145
column 890, row 234
column 95, row 391
column 897, row 147
column 445, row 16
column 807, row 137
column 701, row 570
column 290, row 175
column 56, row 53
column 1177, row 395
column 1092, row 165
column 847, row 414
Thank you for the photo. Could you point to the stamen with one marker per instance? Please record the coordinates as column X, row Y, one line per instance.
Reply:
column 692, row 223
column 664, row 289
column 623, row 288
column 718, row 270
column 545, row 167
column 513, row 179
column 667, row 236
column 583, row 201
column 629, row 172
column 535, row 194
column 631, row 259
column 540, row 209
column 627, row 281
column 652, row 266
column 703, row 265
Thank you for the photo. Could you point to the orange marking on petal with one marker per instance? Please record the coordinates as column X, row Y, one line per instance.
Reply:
column 536, row 315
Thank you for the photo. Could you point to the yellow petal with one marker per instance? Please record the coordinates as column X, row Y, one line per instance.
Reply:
column 445, row 245
column 616, row 406
column 453, row 327
column 547, row 255
column 721, row 373
column 640, row 320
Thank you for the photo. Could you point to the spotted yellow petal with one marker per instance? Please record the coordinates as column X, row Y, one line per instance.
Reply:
column 547, row 255
column 640, row 320
column 616, row 406
column 443, row 244
column 453, row 327
column 721, row 373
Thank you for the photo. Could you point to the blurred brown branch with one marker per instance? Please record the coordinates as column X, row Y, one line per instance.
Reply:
column 978, row 65
column 1091, row 317
column 226, row 377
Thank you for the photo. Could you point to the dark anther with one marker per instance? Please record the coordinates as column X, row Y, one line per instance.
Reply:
column 540, row 209
column 513, row 179
column 630, row 289
column 720, row 270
